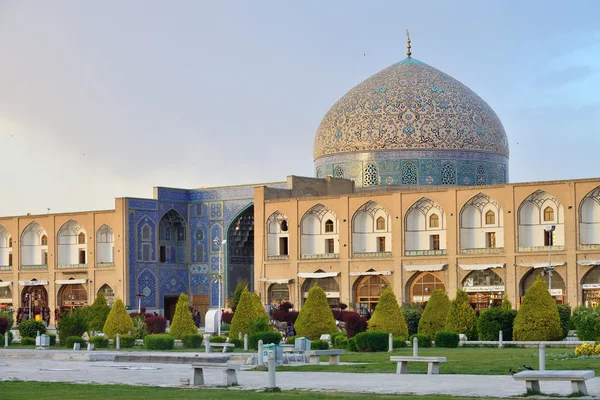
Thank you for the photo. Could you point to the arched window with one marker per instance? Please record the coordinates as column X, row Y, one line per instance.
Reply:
column 490, row 218
column 409, row 174
column 448, row 174
column 371, row 175
column 548, row 214
column 199, row 235
column 380, row 223
column 423, row 286
column 368, row 291
column 81, row 238
column 434, row 221
column 145, row 232
column 284, row 226
column 329, row 226
column 44, row 240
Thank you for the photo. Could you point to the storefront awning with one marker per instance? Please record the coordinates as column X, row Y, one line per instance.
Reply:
column 70, row 281
column 371, row 273
column 479, row 267
column 424, row 268
column 317, row 275
column 591, row 286
column 6, row 284
column 590, row 262
column 279, row 281
column 542, row 265
column 33, row 283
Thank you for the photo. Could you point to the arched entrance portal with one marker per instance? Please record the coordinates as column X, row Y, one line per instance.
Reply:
column 558, row 284
column 329, row 286
column 278, row 293
column 240, row 251
column 109, row 294
column 72, row 296
column 367, row 292
column 591, row 288
column 423, row 285
column 34, row 301
column 485, row 289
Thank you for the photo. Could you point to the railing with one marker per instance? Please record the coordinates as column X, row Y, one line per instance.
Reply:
column 33, row 267
column 319, row 256
column 584, row 247
column 441, row 252
column 373, row 254
column 541, row 248
column 5, row 267
column 105, row 265
column 483, row 250
column 72, row 266
column 278, row 258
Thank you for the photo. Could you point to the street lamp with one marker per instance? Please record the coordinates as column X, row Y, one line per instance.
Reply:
column 219, row 278
column 28, row 296
column 139, row 297
column 549, row 230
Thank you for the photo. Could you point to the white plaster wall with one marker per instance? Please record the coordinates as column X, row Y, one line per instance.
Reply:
column 589, row 226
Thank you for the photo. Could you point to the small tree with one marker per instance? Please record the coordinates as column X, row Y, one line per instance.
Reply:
column 538, row 318
column 388, row 316
column 118, row 321
column 183, row 322
column 412, row 316
column 461, row 317
column 237, row 294
column 506, row 304
column 434, row 315
column 97, row 313
column 315, row 318
column 249, row 310
column 564, row 312
column 72, row 324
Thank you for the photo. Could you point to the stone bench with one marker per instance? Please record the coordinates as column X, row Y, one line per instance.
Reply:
column 229, row 372
column 334, row 356
column 225, row 346
column 433, row 367
column 532, row 379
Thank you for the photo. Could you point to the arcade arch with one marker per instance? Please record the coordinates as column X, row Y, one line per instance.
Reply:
column 589, row 219
column 425, row 229
column 34, row 245
column 319, row 237
column 278, row 236
column 536, row 212
column 422, row 285
column 558, row 284
column 481, row 226
column 371, row 230
column 105, row 245
column 71, row 245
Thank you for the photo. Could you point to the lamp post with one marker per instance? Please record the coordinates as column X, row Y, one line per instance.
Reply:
column 219, row 243
column 139, row 299
column 28, row 295
column 550, row 229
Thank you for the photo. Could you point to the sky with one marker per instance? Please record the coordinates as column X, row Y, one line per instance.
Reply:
column 109, row 99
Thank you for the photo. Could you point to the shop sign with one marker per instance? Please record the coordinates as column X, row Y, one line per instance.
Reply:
column 5, row 301
column 329, row 295
column 477, row 289
column 420, row 298
column 588, row 286
column 556, row 292
column 33, row 283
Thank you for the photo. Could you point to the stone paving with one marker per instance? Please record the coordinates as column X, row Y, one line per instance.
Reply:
column 44, row 368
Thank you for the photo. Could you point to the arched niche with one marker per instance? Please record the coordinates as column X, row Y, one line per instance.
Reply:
column 240, row 250
column 421, row 285
column 70, row 251
column 105, row 245
column 329, row 285
column 5, row 249
column 371, row 230
column 591, row 288
column 108, row 292
column 319, row 236
column 557, row 286
column 278, row 293
column 538, row 211
column 5, row 295
column 367, row 291
column 589, row 220
column 278, row 236
column 481, row 226
column 72, row 296
column 172, row 236
column 34, row 245
column 425, row 229
column 485, row 288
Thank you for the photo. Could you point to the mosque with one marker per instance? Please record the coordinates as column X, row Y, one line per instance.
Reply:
column 410, row 191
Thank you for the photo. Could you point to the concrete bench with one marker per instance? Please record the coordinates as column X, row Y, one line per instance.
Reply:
column 229, row 372
column 433, row 367
column 224, row 346
column 334, row 356
column 532, row 379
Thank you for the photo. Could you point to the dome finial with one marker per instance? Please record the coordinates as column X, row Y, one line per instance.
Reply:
column 408, row 53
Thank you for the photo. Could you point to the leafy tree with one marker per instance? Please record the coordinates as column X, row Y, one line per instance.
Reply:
column 237, row 293
column 494, row 320
column 587, row 323
column 538, row 318
column 388, row 316
column 9, row 320
column 30, row 328
column 72, row 324
column 564, row 312
column 97, row 313
column 434, row 315
column 249, row 310
column 315, row 318
column 118, row 321
column 412, row 316
column 461, row 316
column 183, row 322
column 506, row 304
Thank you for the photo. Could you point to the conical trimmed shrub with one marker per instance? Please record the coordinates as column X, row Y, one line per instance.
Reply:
column 537, row 318
column 315, row 318
column 183, row 322
column 388, row 316
column 461, row 317
column 248, row 310
column 118, row 321
column 97, row 313
column 433, row 319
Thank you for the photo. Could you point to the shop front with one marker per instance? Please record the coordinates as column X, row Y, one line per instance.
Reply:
column 591, row 288
column 72, row 294
column 6, row 296
column 484, row 286
column 34, row 301
column 324, row 280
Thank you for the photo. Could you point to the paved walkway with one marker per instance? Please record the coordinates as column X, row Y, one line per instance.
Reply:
column 45, row 369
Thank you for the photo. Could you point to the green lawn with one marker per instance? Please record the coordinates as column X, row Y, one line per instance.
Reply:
column 462, row 360
column 64, row 391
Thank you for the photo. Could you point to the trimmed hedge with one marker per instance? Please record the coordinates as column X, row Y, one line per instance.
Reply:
column 372, row 341
column 435, row 313
column 352, row 346
column 30, row 327
column 341, row 342
column 266, row 337
column 319, row 345
column 388, row 316
column 315, row 318
column 159, row 342
column 494, row 320
column 412, row 316
column 447, row 339
column 27, row 341
column 398, row 343
column 127, row 341
column 218, row 339
column 564, row 313
column 291, row 340
column 118, row 321
column 336, row 334
column 99, row 342
column 249, row 309
column 71, row 340
column 239, row 343
column 193, row 341
column 587, row 323
column 156, row 324
column 424, row 340
column 461, row 317
column 72, row 324
column 537, row 319
column 183, row 322
column 52, row 337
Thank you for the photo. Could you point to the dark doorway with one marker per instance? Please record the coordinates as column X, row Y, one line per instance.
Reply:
column 170, row 303
column 240, row 251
